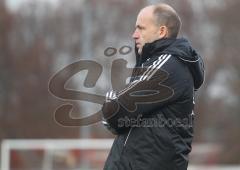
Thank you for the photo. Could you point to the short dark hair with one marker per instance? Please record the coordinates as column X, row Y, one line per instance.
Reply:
column 166, row 15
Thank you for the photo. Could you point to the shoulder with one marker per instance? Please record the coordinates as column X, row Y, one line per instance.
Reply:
column 157, row 60
column 170, row 64
column 166, row 61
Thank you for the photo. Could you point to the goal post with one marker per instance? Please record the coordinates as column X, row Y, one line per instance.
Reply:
column 49, row 145
column 93, row 151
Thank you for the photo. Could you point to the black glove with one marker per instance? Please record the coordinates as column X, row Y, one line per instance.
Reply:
column 111, row 95
column 109, row 110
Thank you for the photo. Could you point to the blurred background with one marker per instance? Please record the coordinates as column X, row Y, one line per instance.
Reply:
column 38, row 38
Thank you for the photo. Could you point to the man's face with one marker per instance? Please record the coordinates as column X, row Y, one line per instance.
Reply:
column 146, row 30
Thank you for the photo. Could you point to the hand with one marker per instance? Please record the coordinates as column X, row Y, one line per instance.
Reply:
column 111, row 95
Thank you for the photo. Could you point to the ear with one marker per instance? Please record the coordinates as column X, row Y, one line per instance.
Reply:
column 163, row 32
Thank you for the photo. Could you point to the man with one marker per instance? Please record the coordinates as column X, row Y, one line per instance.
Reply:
column 152, row 116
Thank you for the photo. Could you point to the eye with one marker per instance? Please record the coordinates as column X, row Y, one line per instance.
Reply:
column 139, row 27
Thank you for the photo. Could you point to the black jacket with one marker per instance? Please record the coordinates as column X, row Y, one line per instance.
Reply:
column 153, row 115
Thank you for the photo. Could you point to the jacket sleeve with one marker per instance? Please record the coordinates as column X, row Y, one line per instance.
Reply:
column 158, row 85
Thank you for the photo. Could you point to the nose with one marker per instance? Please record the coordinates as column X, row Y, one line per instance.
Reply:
column 135, row 34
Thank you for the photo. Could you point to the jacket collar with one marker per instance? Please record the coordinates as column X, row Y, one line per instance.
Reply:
column 150, row 49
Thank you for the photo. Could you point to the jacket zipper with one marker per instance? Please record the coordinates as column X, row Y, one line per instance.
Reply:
column 127, row 137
